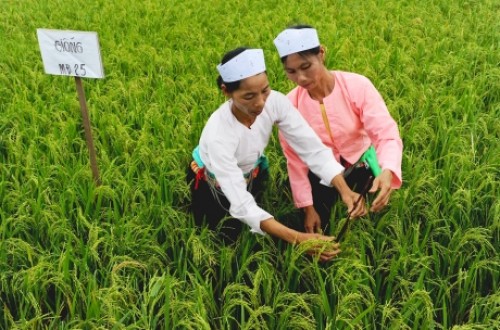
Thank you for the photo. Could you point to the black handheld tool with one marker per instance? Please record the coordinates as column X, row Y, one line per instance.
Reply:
column 363, row 192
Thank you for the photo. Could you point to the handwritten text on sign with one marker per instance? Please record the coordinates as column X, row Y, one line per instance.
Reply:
column 70, row 53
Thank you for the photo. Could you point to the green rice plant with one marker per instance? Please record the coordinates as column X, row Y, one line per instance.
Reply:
column 237, row 306
column 295, row 268
column 294, row 310
column 391, row 317
column 417, row 310
column 126, row 255
column 484, row 308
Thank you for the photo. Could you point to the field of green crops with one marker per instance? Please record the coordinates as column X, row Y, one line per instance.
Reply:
column 125, row 255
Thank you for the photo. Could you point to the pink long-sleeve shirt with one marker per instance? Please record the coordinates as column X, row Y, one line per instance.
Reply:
column 358, row 117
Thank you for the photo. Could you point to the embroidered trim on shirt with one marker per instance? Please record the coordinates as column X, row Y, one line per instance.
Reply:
column 327, row 125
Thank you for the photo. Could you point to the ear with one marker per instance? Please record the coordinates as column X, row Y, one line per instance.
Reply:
column 322, row 53
column 224, row 90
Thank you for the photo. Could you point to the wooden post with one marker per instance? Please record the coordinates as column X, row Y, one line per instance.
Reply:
column 88, row 131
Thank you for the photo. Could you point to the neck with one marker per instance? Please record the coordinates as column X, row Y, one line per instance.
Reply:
column 241, row 117
column 325, row 86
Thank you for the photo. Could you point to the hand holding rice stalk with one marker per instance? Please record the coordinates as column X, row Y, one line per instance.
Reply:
column 323, row 248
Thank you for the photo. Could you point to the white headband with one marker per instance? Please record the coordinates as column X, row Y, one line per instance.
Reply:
column 246, row 64
column 293, row 41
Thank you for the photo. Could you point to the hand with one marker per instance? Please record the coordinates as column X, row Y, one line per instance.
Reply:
column 312, row 221
column 382, row 183
column 349, row 197
column 320, row 245
column 355, row 204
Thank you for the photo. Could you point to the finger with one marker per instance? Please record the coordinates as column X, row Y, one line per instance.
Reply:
column 323, row 258
column 329, row 255
column 382, row 199
column 309, row 229
column 364, row 210
column 375, row 186
column 382, row 202
column 376, row 202
column 351, row 202
column 328, row 248
column 381, row 196
column 360, row 209
column 356, row 206
column 326, row 238
column 380, row 205
column 317, row 228
column 332, row 252
column 329, row 258
column 349, row 205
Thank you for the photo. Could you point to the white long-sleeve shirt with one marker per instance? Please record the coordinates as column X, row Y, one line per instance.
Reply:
column 229, row 149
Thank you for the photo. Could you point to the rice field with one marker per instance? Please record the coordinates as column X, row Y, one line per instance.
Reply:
column 125, row 254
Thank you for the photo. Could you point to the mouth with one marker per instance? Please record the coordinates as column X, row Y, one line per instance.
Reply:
column 257, row 112
column 305, row 86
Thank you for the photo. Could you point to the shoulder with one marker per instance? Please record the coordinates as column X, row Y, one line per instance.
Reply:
column 351, row 77
column 218, row 124
column 298, row 95
column 354, row 84
column 217, row 116
column 277, row 98
column 294, row 92
column 277, row 106
column 276, row 95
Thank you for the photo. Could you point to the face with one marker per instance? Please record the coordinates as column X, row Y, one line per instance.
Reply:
column 306, row 70
column 249, row 99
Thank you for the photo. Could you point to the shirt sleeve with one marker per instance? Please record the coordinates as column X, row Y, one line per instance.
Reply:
column 232, row 183
column 382, row 130
column 307, row 145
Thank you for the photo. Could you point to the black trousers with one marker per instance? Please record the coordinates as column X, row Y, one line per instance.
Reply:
column 325, row 197
column 213, row 211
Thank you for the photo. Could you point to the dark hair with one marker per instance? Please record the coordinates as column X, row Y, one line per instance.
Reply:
column 231, row 86
column 304, row 53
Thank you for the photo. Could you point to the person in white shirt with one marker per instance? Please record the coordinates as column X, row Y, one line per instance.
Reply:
column 229, row 165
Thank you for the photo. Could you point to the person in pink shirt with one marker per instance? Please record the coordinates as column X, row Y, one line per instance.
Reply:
column 349, row 115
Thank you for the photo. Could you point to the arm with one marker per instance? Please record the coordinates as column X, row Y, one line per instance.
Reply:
column 224, row 166
column 349, row 197
column 383, row 184
column 301, row 187
column 275, row 228
column 244, row 207
column 298, row 175
column 312, row 221
column 383, row 132
column 319, row 158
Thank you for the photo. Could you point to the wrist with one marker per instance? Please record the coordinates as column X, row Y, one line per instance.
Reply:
column 298, row 238
column 388, row 172
column 308, row 209
column 340, row 184
column 277, row 229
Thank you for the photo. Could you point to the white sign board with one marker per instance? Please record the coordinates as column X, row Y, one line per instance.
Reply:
column 70, row 53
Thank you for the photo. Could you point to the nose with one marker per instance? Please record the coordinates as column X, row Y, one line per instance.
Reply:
column 301, row 77
column 260, row 101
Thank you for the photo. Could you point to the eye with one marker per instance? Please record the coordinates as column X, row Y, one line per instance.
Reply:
column 290, row 71
column 306, row 66
column 248, row 97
